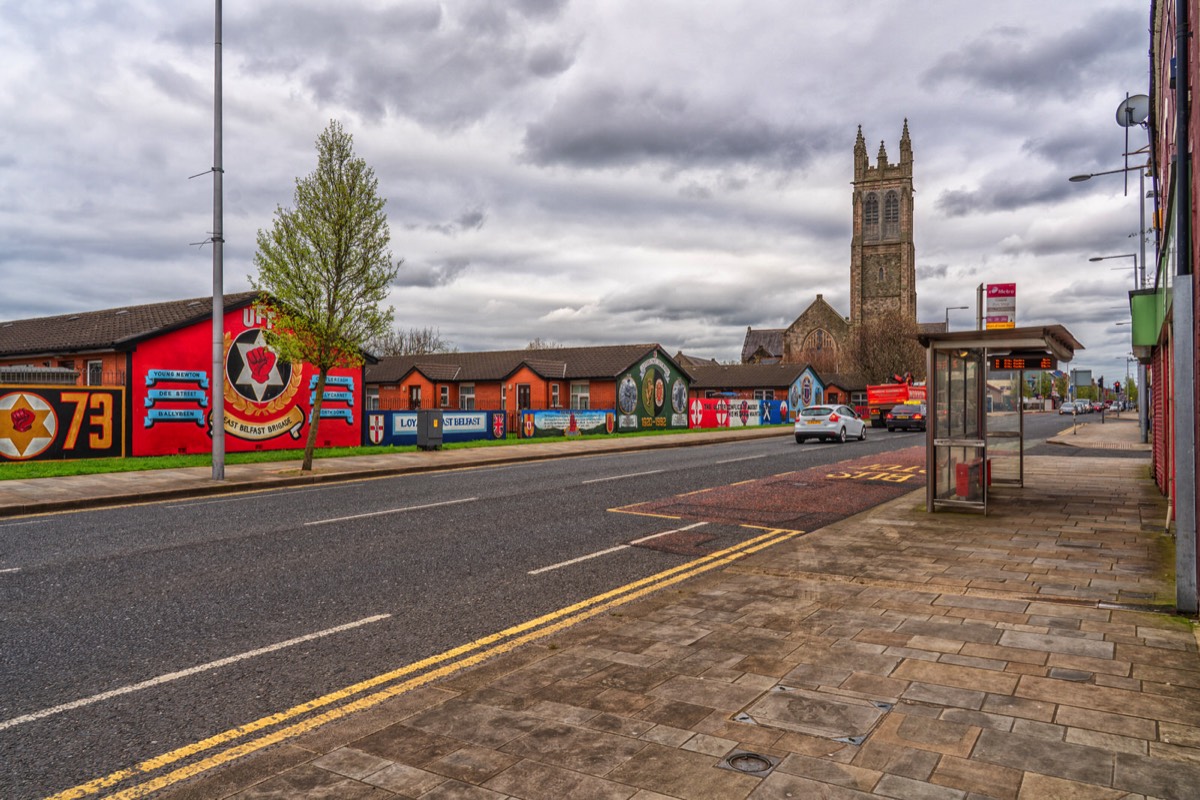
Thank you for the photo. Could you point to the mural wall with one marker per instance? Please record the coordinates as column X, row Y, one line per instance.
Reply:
column 268, row 402
column 653, row 394
column 567, row 422
column 736, row 413
column 400, row 427
column 45, row 422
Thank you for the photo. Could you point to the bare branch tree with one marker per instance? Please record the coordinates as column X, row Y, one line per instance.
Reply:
column 413, row 342
column 886, row 345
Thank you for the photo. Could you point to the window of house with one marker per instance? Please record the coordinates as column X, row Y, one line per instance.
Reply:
column 504, row 397
column 858, row 398
column 95, row 373
column 555, row 399
column 466, row 397
column 580, row 397
column 372, row 398
column 709, row 394
column 764, row 394
column 444, row 396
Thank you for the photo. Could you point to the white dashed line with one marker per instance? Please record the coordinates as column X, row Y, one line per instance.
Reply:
column 172, row 676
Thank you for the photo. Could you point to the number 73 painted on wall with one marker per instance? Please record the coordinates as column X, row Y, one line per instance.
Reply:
column 45, row 422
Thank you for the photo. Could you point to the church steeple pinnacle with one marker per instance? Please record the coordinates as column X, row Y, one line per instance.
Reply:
column 905, row 145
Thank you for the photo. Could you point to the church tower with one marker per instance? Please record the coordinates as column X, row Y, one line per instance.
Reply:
column 883, row 276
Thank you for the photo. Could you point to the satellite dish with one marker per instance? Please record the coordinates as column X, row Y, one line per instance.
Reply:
column 1133, row 110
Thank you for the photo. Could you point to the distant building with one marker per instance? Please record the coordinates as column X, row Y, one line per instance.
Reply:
column 883, row 276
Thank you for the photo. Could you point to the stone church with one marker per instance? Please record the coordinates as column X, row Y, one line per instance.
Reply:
column 883, row 276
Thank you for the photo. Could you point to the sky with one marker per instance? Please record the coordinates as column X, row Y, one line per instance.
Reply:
column 583, row 173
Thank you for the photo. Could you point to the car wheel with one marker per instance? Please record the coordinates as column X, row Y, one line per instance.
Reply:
column 891, row 429
column 862, row 433
column 799, row 440
column 841, row 436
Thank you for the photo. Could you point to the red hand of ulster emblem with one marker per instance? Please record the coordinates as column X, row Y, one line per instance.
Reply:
column 260, row 360
column 22, row 420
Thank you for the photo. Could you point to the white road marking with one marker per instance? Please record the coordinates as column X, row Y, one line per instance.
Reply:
column 242, row 496
column 743, row 458
column 616, row 549
column 172, row 676
column 588, row 557
column 668, row 533
column 15, row 524
column 621, row 477
column 391, row 511
column 10, row 569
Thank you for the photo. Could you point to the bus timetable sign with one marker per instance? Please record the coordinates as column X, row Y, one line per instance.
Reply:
column 1027, row 361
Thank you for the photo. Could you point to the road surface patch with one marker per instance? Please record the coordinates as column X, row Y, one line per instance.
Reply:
column 801, row 500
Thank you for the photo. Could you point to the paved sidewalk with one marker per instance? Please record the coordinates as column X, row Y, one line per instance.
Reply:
column 892, row 654
column 1112, row 433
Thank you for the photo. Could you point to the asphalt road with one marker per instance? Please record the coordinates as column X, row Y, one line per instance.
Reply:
column 108, row 606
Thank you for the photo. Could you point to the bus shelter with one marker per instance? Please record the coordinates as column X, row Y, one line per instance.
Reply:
column 975, row 436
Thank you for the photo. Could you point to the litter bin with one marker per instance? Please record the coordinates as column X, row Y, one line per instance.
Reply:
column 429, row 430
column 967, row 483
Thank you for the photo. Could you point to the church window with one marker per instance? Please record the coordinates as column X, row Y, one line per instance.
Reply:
column 871, row 215
column 881, row 275
column 891, row 215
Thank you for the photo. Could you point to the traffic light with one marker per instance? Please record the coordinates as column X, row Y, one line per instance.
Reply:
column 1117, row 387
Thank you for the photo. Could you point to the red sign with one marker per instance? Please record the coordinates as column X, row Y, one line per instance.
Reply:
column 1001, row 290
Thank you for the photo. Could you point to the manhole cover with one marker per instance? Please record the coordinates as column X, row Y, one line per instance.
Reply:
column 749, row 763
column 817, row 714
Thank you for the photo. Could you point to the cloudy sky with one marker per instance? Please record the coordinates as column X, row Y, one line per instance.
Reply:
column 581, row 172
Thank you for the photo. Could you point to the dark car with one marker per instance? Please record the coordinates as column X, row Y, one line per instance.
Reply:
column 907, row 417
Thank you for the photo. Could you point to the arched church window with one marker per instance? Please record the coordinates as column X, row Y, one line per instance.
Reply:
column 871, row 215
column 891, row 215
column 882, row 275
column 820, row 340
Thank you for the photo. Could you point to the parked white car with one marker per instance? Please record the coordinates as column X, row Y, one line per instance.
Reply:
column 829, row 422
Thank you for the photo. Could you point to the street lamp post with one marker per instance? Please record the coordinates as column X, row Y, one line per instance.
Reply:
column 953, row 308
column 1136, row 280
column 1139, row 281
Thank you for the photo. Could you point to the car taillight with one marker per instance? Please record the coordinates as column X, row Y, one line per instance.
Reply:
column 916, row 416
column 889, row 416
column 833, row 417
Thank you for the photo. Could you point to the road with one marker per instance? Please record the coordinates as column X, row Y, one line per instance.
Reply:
column 128, row 632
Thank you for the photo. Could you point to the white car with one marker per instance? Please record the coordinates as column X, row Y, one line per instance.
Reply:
column 829, row 422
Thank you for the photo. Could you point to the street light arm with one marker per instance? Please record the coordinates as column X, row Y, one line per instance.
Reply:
column 1081, row 178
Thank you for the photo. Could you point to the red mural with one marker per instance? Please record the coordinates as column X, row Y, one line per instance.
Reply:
column 268, row 401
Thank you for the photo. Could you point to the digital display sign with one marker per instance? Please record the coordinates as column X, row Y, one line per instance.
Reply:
column 1026, row 361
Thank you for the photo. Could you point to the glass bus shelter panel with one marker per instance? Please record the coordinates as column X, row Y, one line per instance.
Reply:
column 961, row 476
column 960, row 452
column 1005, row 426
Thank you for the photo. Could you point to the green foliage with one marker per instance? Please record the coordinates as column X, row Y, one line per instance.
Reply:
column 324, row 266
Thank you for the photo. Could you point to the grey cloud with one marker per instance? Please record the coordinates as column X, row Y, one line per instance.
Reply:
column 931, row 272
column 1017, row 61
column 1000, row 192
column 471, row 219
column 440, row 273
column 442, row 69
column 605, row 128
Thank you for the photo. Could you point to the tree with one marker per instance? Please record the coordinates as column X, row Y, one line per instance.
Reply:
column 885, row 345
column 324, row 267
column 413, row 342
column 544, row 344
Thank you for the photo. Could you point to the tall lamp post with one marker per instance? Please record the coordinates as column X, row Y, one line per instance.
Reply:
column 1136, row 278
column 953, row 308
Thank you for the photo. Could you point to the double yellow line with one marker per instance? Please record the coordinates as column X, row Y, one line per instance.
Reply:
column 438, row 666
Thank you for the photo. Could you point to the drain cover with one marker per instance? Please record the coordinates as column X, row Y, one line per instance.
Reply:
column 749, row 763
column 817, row 713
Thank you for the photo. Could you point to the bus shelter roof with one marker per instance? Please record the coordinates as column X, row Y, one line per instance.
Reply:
column 1055, row 339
